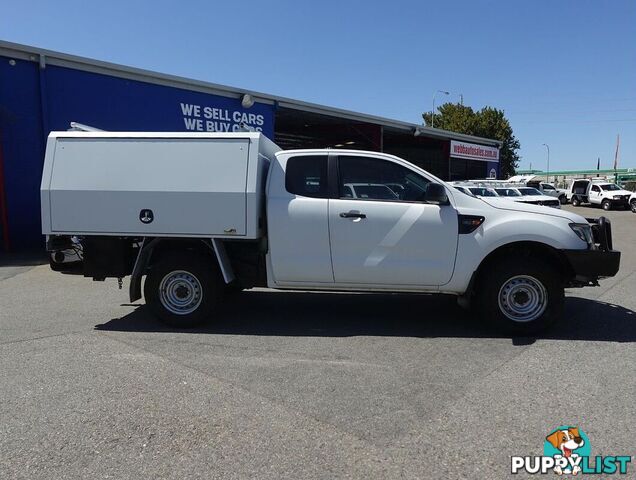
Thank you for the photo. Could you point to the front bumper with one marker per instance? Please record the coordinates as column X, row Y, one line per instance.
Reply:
column 620, row 202
column 599, row 262
column 590, row 265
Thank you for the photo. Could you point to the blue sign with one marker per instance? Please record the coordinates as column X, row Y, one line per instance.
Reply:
column 117, row 104
column 35, row 101
column 493, row 169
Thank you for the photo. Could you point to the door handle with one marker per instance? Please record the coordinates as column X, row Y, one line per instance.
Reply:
column 352, row 215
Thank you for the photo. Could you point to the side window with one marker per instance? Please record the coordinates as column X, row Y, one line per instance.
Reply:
column 595, row 188
column 368, row 178
column 307, row 176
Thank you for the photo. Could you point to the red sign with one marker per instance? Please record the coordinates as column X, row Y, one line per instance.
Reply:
column 473, row 151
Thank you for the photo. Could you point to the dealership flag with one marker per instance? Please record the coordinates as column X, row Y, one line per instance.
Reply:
column 618, row 142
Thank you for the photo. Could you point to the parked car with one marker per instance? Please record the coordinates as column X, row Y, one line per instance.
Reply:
column 528, row 195
column 607, row 195
column 369, row 190
column 197, row 214
column 483, row 191
column 550, row 190
column 545, row 188
column 474, row 191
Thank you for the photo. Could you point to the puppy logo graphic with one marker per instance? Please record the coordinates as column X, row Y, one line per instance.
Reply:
column 567, row 451
column 566, row 440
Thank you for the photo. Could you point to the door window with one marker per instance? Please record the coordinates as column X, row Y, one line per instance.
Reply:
column 595, row 189
column 307, row 176
column 366, row 178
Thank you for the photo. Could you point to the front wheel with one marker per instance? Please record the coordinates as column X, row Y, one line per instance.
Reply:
column 632, row 205
column 183, row 289
column 563, row 200
column 607, row 205
column 522, row 297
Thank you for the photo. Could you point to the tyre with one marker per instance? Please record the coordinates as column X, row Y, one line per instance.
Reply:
column 607, row 205
column 563, row 199
column 632, row 205
column 575, row 202
column 522, row 297
column 183, row 289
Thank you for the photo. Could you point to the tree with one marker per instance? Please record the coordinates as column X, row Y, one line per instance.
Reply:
column 488, row 122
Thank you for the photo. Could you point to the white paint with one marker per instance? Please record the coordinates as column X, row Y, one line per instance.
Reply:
column 195, row 184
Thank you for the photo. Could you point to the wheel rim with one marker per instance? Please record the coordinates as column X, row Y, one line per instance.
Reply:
column 633, row 205
column 522, row 298
column 180, row 292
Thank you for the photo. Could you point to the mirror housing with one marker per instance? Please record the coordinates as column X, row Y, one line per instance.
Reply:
column 436, row 194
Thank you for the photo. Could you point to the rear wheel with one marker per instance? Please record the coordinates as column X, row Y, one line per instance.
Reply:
column 606, row 204
column 575, row 202
column 632, row 205
column 183, row 289
column 522, row 297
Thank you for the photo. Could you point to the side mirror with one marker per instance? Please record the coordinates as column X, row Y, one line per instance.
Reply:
column 436, row 194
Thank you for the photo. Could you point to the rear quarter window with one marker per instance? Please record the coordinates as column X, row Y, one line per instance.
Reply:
column 307, row 176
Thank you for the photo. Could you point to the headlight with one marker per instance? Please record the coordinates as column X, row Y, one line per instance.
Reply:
column 584, row 232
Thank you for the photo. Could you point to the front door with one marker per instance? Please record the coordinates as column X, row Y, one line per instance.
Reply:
column 595, row 194
column 381, row 230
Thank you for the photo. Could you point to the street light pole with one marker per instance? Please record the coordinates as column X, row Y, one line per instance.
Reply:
column 433, row 111
column 547, row 177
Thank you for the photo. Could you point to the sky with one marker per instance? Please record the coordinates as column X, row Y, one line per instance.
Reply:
column 563, row 71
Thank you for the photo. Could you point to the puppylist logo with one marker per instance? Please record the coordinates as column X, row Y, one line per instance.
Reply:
column 567, row 450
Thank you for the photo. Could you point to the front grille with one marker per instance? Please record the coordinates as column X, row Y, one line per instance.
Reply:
column 546, row 203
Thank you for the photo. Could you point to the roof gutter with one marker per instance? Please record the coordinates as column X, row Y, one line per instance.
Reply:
column 448, row 135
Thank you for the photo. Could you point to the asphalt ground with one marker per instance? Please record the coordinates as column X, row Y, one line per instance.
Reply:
column 304, row 385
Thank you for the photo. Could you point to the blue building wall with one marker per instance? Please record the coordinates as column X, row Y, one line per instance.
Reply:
column 35, row 101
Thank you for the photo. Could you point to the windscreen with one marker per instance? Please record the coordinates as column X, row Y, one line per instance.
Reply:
column 529, row 191
column 507, row 192
column 482, row 192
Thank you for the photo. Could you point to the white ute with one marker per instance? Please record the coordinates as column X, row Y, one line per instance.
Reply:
column 606, row 194
column 199, row 214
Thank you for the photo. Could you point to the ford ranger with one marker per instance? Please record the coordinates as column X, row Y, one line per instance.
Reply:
column 199, row 214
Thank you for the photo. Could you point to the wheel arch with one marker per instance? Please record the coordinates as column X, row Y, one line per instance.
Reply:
column 155, row 248
column 521, row 249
